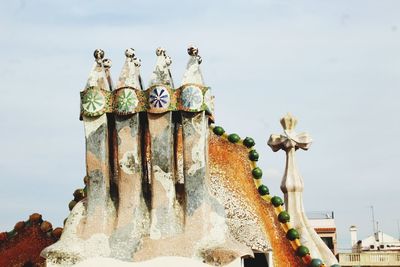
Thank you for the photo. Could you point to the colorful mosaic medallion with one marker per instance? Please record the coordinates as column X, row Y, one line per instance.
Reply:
column 93, row 101
column 192, row 97
column 159, row 97
column 126, row 101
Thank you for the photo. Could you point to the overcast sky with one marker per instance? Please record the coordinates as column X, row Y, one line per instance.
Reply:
column 335, row 65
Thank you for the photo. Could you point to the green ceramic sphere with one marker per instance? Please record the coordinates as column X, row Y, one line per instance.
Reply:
column 253, row 155
column 292, row 234
column 218, row 130
column 234, row 138
column 71, row 204
column 276, row 201
column 248, row 142
column 79, row 194
column 257, row 173
column 284, row 217
column 302, row 251
column 263, row 190
column 315, row 263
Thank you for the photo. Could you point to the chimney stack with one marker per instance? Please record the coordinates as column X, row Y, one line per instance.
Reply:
column 353, row 235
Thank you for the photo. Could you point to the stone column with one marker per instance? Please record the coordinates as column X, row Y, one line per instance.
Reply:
column 95, row 101
column 292, row 186
column 166, row 218
column 205, row 216
column 132, row 212
column 195, row 136
column 91, row 221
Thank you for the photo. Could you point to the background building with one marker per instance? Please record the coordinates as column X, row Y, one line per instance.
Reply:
column 378, row 249
column 324, row 224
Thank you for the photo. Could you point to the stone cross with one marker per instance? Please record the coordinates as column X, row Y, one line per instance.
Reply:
column 292, row 186
column 290, row 141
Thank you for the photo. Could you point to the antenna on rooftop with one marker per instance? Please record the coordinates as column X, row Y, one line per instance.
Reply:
column 398, row 228
column 377, row 232
column 373, row 220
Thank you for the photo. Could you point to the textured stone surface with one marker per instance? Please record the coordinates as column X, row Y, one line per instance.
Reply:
column 252, row 221
column 166, row 213
column 132, row 213
column 100, row 209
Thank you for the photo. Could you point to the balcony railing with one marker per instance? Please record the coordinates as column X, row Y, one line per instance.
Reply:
column 370, row 259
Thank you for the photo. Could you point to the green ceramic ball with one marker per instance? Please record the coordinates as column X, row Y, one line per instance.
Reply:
column 253, row 155
column 276, row 201
column 263, row 190
column 284, row 217
column 218, row 130
column 248, row 142
column 316, row 263
column 292, row 234
column 302, row 251
column 71, row 204
column 257, row 173
column 234, row 138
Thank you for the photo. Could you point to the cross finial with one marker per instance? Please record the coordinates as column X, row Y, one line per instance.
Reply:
column 289, row 139
column 292, row 186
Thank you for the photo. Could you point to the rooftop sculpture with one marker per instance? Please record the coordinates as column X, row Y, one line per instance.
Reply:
column 293, row 185
column 160, row 179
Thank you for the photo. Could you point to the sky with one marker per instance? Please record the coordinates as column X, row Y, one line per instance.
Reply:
column 335, row 65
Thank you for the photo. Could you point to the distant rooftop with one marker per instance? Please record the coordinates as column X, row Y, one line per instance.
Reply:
column 379, row 241
column 312, row 215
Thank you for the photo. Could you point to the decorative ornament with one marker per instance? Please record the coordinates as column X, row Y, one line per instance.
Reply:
column 126, row 101
column 93, row 101
column 192, row 97
column 159, row 97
